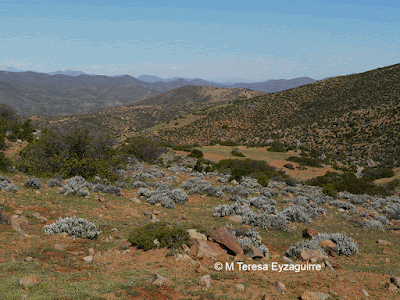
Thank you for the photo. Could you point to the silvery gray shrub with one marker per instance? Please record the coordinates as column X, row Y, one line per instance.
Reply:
column 249, row 237
column 345, row 205
column 76, row 186
column 32, row 183
column 373, row 224
column 392, row 211
column 54, row 183
column 138, row 184
column 166, row 197
column 110, row 189
column 345, row 245
column 74, row 226
column 6, row 185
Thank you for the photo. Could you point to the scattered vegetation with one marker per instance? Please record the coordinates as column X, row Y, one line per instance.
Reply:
column 159, row 234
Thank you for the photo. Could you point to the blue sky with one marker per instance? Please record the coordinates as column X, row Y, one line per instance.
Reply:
column 215, row 40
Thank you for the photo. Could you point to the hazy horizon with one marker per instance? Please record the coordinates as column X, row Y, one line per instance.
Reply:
column 239, row 42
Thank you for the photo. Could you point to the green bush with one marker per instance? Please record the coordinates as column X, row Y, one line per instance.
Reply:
column 306, row 161
column 70, row 153
column 5, row 162
column 143, row 149
column 198, row 167
column 276, row 148
column 196, row 154
column 168, row 236
column 263, row 180
column 254, row 168
column 372, row 173
column 289, row 166
column 236, row 152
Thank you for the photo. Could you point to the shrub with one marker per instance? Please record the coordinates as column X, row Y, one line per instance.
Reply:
column 6, row 185
column 74, row 226
column 236, row 152
column 32, row 183
column 345, row 245
column 54, row 183
column 263, row 180
column 168, row 236
column 289, row 166
column 275, row 147
column 111, row 189
column 372, row 173
column 306, row 161
column 70, row 153
column 76, row 186
column 196, row 154
column 143, row 149
column 5, row 162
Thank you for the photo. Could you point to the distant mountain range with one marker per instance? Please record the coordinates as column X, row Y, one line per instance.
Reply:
column 59, row 94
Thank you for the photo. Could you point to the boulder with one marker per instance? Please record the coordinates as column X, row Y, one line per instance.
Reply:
column 29, row 281
column 159, row 280
column 329, row 247
column 207, row 248
column 308, row 295
column 205, row 281
column 236, row 218
column 253, row 252
column 193, row 234
column 312, row 255
column 309, row 232
column 19, row 223
column 223, row 237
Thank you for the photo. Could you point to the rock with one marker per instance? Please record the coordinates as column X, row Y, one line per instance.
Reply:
column 88, row 258
column 205, row 281
column 309, row 232
column 200, row 269
column 365, row 293
column 372, row 214
column 312, row 255
column 224, row 237
column 236, row 218
column 280, row 285
column 184, row 217
column 384, row 242
column 395, row 281
column 386, row 251
column 28, row 258
column 391, row 287
column 337, row 266
column 196, row 235
column 328, row 264
column 322, row 296
column 102, row 199
column 61, row 247
column 308, row 295
column 253, row 252
column 29, row 281
column 136, row 200
column 185, row 248
column 329, row 247
column 159, row 280
column 19, row 211
column 19, row 223
column 239, row 287
column 287, row 260
column 156, row 242
column 124, row 244
column 91, row 251
column 207, row 248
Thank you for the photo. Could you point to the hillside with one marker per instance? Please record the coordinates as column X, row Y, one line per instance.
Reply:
column 127, row 120
column 354, row 115
column 41, row 94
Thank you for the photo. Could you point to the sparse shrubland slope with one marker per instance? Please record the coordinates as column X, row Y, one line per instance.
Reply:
column 356, row 115
column 125, row 120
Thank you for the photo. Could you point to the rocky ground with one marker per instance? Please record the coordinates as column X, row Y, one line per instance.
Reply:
column 241, row 234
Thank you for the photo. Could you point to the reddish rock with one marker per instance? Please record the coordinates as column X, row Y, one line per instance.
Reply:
column 236, row 218
column 309, row 232
column 61, row 247
column 329, row 247
column 253, row 252
column 384, row 242
column 308, row 295
column 19, row 223
column 29, row 281
column 124, row 244
column 207, row 248
column 312, row 255
column 223, row 237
